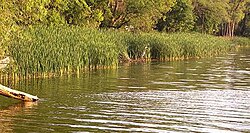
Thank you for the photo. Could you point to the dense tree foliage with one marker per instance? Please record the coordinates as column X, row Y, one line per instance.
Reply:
column 236, row 14
column 180, row 18
column 209, row 15
column 244, row 25
column 140, row 14
column 221, row 17
column 7, row 24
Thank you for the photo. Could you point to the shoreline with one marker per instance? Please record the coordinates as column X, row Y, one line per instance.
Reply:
column 46, row 51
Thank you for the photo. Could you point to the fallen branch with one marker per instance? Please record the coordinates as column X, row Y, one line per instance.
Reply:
column 5, row 91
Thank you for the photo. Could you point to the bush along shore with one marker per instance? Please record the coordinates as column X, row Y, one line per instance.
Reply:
column 51, row 51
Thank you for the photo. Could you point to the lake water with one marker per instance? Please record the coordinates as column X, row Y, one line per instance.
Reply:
column 204, row 95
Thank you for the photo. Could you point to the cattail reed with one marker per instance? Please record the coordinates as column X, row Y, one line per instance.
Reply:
column 53, row 51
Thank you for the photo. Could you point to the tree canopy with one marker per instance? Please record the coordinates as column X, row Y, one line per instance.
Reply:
column 180, row 18
column 219, row 17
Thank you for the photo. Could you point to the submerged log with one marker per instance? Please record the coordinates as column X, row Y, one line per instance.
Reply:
column 5, row 91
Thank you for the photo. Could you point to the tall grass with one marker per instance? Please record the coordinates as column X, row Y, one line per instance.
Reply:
column 177, row 45
column 42, row 51
column 62, row 49
column 241, row 41
column 188, row 45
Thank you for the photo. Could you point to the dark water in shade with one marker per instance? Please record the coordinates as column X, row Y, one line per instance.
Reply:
column 206, row 95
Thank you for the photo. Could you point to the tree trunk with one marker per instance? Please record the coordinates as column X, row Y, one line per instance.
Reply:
column 224, row 29
column 232, row 29
column 118, row 8
column 5, row 91
column 227, row 29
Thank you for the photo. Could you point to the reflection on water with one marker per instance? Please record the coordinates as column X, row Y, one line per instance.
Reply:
column 196, row 111
column 7, row 114
column 207, row 95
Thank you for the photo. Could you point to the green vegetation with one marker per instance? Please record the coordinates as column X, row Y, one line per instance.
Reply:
column 241, row 41
column 42, row 51
column 179, row 19
column 61, row 36
column 223, row 17
column 60, row 49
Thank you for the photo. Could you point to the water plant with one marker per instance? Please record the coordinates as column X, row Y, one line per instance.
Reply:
column 62, row 49
column 241, row 41
column 43, row 51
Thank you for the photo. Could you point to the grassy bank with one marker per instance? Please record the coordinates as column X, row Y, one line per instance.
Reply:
column 45, row 51
column 241, row 41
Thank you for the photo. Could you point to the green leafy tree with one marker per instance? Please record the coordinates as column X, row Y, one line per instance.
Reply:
column 7, row 24
column 180, row 18
column 236, row 14
column 56, row 12
column 218, row 16
column 30, row 12
column 81, row 12
column 244, row 26
column 209, row 15
column 141, row 14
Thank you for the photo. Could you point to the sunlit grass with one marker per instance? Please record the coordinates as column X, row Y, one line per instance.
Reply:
column 241, row 41
column 45, row 51
column 64, row 49
column 177, row 46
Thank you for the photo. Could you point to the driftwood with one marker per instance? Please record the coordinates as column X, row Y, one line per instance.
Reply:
column 5, row 91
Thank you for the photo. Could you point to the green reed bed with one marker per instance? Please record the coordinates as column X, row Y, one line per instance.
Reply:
column 241, row 41
column 45, row 51
column 176, row 46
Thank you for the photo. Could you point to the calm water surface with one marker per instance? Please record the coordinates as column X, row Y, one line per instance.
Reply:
column 206, row 95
